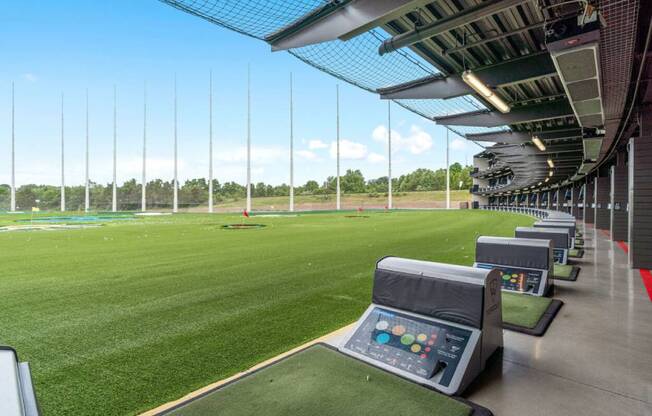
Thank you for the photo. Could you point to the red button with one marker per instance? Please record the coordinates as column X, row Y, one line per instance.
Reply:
column 423, row 355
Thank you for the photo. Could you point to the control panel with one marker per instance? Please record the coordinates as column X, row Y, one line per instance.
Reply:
column 522, row 280
column 423, row 349
column 560, row 255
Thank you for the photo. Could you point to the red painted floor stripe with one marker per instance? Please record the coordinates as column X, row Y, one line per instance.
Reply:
column 623, row 245
column 647, row 281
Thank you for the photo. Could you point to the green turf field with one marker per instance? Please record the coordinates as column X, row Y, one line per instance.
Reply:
column 118, row 319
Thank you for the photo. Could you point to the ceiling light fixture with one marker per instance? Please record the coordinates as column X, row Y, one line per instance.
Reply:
column 538, row 143
column 550, row 173
column 547, row 179
column 486, row 92
column 550, row 163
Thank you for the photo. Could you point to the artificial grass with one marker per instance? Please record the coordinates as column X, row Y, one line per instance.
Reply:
column 523, row 310
column 320, row 381
column 119, row 319
column 575, row 252
column 563, row 272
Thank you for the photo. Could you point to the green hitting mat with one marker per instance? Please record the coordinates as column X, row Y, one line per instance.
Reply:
column 321, row 381
column 566, row 272
column 576, row 252
column 528, row 314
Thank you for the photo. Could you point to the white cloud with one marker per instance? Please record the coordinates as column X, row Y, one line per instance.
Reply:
column 458, row 144
column 375, row 158
column 416, row 142
column 306, row 154
column 349, row 150
column 317, row 144
column 30, row 77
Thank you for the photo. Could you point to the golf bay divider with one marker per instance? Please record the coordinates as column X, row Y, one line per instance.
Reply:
column 17, row 396
column 560, row 240
column 432, row 323
column 558, row 236
column 561, row 225
column 526, row 265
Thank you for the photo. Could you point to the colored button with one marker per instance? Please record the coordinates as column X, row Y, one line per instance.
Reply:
column 431, row 342
column 427, row 349
column 382, row 338
column 382, row 325
column 407, row 339
column 505, row 277
column 398, row 330
column 423, row 356
column 415, row 348
column 422, row 337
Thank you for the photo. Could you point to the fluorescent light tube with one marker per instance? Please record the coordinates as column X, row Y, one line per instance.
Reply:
column 538, row 143
column 480, row 87
column 550, row 163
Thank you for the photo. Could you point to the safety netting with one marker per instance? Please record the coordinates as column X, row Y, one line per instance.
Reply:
column 355, row 61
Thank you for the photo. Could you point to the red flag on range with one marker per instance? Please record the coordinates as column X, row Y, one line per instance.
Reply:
column 245, row 213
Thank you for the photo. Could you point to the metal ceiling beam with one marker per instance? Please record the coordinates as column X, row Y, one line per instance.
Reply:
column 467, row 16
column 526, row 114
column 492, row 38
column 435, row 87
column 513, row 71
column 508, row 137
column 340, row 20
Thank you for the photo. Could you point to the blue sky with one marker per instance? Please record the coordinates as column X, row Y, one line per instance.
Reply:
column 70, row 45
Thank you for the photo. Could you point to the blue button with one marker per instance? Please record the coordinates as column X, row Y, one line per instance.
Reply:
column 382, row 338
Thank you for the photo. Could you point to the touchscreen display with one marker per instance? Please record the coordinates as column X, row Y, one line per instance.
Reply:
column 419, row 346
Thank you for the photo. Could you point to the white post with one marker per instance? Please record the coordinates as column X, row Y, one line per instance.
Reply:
column 448, row 174
column 175, row 203
column 291, row 147
column 63, row 181
column 337, row 96
column 248, row 208
column 114, row 199
column 210, row 141
column 13, row 150
column 143, row 201
column 87, row 190
column 389, row 155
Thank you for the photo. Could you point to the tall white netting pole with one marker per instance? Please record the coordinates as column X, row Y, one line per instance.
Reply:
column 210, row 141
column 291, row 147
column 337, row 96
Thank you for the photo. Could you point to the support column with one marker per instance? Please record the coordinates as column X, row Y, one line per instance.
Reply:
column 602, row 197
column 618, row 200
column 640, row 202
column 589, row 204
column 575, row 195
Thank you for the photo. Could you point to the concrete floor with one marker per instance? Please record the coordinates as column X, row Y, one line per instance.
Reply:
column 596, row 357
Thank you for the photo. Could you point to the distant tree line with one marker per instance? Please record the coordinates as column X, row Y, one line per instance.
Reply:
column 194, row 192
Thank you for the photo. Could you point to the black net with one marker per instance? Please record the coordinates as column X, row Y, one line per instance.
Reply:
column 356, row 61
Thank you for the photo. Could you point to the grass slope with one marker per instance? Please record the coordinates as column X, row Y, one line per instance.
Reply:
column 118, row 319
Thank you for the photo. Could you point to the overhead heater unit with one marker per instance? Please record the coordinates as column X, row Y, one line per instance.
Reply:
column 592, row 146
column 573, row 46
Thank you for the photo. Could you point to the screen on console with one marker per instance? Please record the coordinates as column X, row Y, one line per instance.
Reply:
column 515, row 279
column 419, row 346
